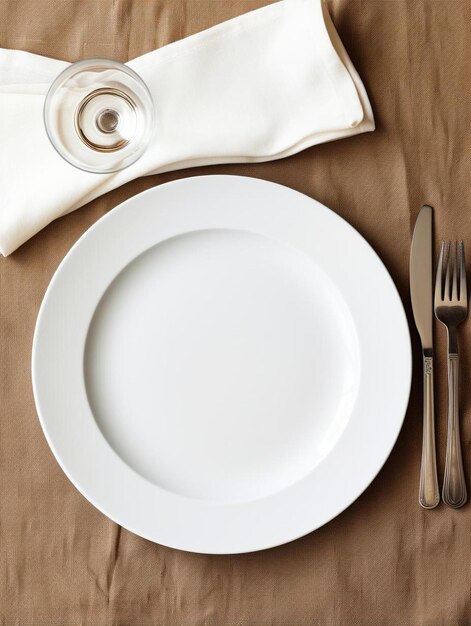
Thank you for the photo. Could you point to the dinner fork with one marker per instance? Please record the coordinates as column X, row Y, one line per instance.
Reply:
column 451, row 308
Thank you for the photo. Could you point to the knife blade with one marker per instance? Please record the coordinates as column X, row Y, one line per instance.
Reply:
column 421, row 276
column 421, row 290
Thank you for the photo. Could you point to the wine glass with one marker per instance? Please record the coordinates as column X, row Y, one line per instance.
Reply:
column 99, row 115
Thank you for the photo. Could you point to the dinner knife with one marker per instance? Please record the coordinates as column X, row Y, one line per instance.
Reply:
column 421, row 281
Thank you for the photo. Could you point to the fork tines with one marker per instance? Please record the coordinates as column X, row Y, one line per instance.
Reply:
column 452, row 259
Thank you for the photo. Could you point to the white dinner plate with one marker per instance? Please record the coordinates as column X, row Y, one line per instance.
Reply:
column 221, row 364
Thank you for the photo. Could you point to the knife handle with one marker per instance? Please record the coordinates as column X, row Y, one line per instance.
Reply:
column 429, row 495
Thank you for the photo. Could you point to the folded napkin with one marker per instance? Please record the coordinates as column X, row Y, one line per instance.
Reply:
column 261, row 86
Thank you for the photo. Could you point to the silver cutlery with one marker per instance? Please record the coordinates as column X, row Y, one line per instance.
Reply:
column 451, row 308
column 421, row 289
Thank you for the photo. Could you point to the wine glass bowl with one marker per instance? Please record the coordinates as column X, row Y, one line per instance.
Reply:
column 99, row 115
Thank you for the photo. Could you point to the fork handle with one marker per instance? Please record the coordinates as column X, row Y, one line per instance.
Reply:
column 454, row 485
column 429, row 495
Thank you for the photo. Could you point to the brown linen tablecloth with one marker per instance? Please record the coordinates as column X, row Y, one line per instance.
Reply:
column 384, row 561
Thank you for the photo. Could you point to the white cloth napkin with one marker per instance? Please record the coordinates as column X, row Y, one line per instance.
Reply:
column 261, row 86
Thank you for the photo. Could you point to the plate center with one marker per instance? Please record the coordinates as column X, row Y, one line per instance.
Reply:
column 222, row 365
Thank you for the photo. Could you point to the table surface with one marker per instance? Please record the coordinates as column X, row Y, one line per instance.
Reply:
column 384, row 560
